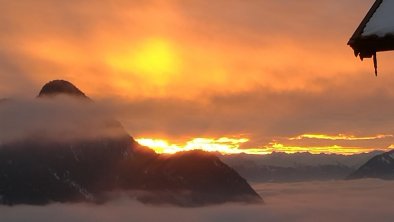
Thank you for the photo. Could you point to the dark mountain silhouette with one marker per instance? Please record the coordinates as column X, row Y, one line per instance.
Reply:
column 60, row 87
column 36, row 170
column 380, row 166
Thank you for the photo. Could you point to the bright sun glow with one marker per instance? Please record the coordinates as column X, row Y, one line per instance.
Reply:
column 154, row 60
column 155, row 56
column 223, row 145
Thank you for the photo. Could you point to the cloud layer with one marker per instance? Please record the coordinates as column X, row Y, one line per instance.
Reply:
column 361, row 200
column 264, row 115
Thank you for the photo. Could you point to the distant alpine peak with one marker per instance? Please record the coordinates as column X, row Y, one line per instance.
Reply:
column 60, row 87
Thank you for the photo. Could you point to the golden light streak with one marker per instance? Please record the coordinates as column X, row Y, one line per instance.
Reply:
column 339, row 137
column 226, row 145
column 333, row 149
column 223, row 145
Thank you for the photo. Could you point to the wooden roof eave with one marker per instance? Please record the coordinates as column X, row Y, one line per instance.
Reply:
column 366, row 47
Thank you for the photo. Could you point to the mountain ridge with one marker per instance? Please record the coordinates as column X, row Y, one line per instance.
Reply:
column 380, row 166
column 36, row 170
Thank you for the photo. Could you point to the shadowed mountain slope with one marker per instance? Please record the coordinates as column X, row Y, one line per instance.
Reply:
column 380, row 166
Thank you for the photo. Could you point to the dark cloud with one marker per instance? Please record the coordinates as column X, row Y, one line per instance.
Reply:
column 263, row 114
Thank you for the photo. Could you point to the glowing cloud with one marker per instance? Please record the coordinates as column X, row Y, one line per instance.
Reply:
column 339, row 137
column 223, row 145
column 333, row 149
column 226, row 145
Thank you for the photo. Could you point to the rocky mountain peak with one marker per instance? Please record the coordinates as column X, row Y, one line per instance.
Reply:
column 60, row 87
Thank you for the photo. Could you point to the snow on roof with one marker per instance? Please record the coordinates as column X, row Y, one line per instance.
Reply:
column 381, row 22
column 376, row 31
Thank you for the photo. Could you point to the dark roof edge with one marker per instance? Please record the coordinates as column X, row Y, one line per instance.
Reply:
column 357, row 34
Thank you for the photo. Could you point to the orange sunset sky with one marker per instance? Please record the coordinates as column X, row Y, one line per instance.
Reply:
column 226, row 75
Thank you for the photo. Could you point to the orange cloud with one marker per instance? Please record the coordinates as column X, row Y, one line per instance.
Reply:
column 181, row 68
column 197, row 47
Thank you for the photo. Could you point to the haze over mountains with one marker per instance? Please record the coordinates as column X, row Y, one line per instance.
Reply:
column 282, row 167
column 64, row 150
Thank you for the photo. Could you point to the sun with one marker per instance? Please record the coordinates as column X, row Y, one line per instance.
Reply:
column 154, row 60
column 155, row 57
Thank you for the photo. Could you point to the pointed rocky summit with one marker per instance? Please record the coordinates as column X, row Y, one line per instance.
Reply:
column 60, row 87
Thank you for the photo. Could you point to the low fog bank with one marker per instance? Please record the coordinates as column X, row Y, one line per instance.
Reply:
column 59, row 119
column 359, row 200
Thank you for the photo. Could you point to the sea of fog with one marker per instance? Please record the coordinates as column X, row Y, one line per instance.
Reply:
column 358, row 200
